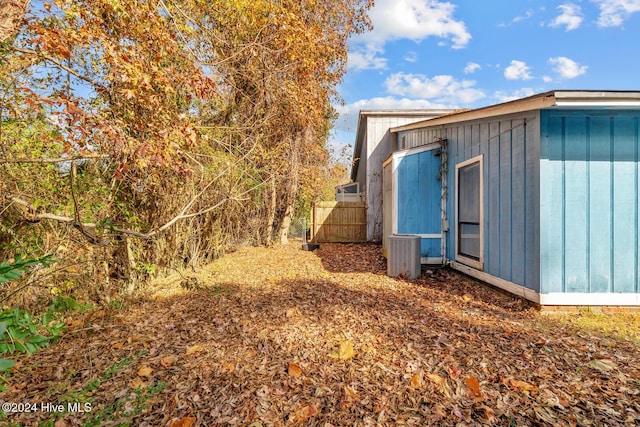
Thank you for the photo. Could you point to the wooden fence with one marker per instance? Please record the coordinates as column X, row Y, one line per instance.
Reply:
column 343, row 222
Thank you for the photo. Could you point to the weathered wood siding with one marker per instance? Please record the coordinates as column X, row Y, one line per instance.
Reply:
column 589, row 203
column 510, row 148
column 338, row 222
column 387, row 206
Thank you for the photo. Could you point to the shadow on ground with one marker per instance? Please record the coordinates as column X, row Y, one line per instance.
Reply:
column 225, row 355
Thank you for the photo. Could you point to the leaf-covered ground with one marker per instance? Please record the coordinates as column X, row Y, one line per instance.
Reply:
column 285, row 337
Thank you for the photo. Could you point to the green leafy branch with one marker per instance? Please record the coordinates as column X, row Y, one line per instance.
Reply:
column 19, row 331
column 10, row 271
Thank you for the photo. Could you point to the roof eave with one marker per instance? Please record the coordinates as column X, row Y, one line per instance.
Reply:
column 362, row 118
column 544, row 100
column 362, row 123
column 405, row 113
column 552, row 99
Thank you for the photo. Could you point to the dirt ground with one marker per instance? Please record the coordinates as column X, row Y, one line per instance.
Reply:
column 281, row 336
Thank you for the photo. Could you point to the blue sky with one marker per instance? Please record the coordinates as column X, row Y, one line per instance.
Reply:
column 472, row 53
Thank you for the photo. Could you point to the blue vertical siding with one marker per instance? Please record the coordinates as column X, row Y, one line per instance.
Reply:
column 625, row 219
column 505, row 208
column 492, row 171
column 589, row 201
column 552, row 218
column 532, row 205
column 419, row 195
column 561, row 197
column 518, row 204
column 510, row 150
column 600, row 170
column 576, row 202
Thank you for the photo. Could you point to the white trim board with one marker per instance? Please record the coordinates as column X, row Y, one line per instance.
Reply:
column 432, row 260
column 555, row 298
column 601, row 298
column 479, row 263
column 508, row 286
column 394, row 194
column 416, row 150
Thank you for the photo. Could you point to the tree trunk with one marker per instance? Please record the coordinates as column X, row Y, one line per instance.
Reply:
column 13, row 12
column 286, row 223
column 292, row 183
column 271, row 212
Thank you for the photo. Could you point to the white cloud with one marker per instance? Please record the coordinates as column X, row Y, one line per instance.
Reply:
column 614, row 12
column 416, row 20
column 367, row 58
column 571, row 17
column 518, row 70
column 406, row 19
column 505, row 96
column 471, row 68
column 348, row 114
column 444, row 88
column 567, row 68
column 528, row 14
column 547, row 79
column 411, row 57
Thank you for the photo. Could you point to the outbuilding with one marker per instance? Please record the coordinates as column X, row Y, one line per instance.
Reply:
column 374, row 143
column 538, row 196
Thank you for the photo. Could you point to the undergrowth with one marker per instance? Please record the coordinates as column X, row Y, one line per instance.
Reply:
column 20, row 331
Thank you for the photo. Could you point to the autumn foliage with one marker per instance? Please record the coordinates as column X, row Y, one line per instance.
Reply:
column 138, row 136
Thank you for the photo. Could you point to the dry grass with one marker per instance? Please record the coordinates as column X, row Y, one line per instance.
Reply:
column 622, row 325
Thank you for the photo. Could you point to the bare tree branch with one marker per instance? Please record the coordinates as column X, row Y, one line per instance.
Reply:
column 55, row 159
column 59, row 64
column 33, row 216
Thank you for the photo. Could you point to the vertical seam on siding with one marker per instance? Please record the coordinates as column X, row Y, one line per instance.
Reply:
column 635, row 206
column 487, row 254
column 525, row 204
column 564, row 202
column 612, row 284
column 588, row 210
column 511, row 200
column 499, row 198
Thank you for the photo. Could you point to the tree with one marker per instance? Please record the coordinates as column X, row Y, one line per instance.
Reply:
column 13, row 12
column 184, row 125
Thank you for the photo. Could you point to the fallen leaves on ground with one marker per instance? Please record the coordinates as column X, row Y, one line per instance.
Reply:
column 344, row 351
column 440, row 350
column 294, row 370
column 474, row 387
column 145, row 371
column 416, row 381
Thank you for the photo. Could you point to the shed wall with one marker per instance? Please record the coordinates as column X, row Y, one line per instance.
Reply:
column 419, row 197
column 589, row 206
column 380, row 144
column 361, row 171
column 510, row 148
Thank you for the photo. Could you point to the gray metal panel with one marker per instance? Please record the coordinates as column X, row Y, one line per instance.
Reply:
column 404, row 256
